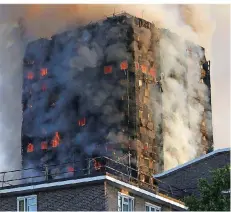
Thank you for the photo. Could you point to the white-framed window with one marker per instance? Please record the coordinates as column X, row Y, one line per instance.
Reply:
column 125, row 202
column 27, row 203
column 151, row 207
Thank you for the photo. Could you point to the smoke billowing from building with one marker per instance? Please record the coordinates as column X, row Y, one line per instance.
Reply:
column 11, row 55
column 46, row 20
column 185, row 100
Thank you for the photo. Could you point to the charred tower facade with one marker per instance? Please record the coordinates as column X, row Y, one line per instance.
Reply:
column 96, row 91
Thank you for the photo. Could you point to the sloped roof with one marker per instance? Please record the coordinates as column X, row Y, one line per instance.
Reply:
column 196, row 160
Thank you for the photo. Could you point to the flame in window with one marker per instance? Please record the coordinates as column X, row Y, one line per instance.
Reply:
column 153, row 72
column 137, row 66
column 82, row 122
column 56, row 140
column 70, row 169
column 30, row 147
column 44, row 145
column 144, row 68
column 107, row 69
column 97, row 165
column 124, row 65
column 43, row 72
column 30, row 75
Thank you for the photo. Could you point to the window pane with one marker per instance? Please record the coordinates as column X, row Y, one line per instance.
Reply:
column 153, row 209
column 125, row 199
column 147, row 208
column 32, row 208
column 21, row 205
column 125, row 207
column 120, row 203
column 31, row 201
column 25, row 204
column 130, row 204
column 32, row 204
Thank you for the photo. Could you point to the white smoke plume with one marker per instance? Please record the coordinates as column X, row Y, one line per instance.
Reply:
column 182, row 111
column 11, row 55
column 46, row 20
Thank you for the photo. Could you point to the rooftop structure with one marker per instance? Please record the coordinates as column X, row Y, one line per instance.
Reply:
column 185, row 177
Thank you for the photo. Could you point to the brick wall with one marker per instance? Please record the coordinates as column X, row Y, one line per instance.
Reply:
column 88, row 197
column 92, row 197
column 8, row 203
column 78, row 198
column 139, row 202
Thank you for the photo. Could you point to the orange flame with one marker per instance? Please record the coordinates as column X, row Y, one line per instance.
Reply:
column 70, row 169
column 97, row 165
column 124, row 65
column 30, row 75
column 144, row 68
column 137, row 66
column 107, row 69
column 43, row 145
column 153, row 72
column 30, row 147
column 43, row 72
column 82, row 122
column 56, row 140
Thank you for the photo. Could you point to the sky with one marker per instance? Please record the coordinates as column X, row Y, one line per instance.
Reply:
column 220, row 76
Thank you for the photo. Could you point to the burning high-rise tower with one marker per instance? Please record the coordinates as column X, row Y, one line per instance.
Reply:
column 103, row 89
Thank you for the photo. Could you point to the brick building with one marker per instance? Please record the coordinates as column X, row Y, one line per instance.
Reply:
column 87, row 93
column 107, row 191
column 98, row 192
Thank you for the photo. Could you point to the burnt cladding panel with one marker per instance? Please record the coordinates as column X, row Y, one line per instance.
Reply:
column 147, row 65
column 36, row 52
column 119, row 57
column 117, row 67
column 85, row 108
column 35, row 55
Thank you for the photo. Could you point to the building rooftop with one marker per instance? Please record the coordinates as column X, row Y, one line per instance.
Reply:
column 192, row 162
column 93, row 179
column 20, row 181
column 184, row 179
